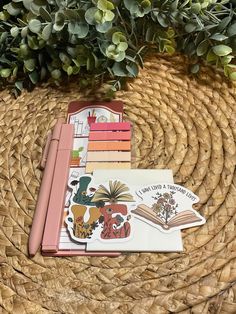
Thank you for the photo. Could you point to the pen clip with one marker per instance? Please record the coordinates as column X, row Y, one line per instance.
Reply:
column 45, row 151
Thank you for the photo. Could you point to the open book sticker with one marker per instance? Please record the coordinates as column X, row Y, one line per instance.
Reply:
column 167, row 207
column 101, row 212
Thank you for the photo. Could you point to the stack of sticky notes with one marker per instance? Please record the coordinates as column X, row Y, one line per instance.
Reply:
column 109, row 146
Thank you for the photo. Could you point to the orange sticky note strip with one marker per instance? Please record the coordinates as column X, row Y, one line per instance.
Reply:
column 98, row 146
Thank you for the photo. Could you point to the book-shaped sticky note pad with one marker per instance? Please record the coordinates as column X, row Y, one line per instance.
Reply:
column 109, row 146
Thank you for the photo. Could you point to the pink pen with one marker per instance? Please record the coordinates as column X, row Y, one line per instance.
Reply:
column 58, row 190
column 37, row 227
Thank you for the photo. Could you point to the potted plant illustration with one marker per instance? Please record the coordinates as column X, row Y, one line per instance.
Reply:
column 114, row 225
column 75, row 160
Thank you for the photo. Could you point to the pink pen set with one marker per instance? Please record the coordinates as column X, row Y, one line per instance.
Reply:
column 54, row 180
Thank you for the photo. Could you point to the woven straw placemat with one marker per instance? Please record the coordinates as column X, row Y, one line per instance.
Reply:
column 183, row 123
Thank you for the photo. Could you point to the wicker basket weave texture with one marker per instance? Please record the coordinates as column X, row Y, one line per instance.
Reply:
column 180, row 122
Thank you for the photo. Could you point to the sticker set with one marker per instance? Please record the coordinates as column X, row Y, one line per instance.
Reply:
column 106, row 212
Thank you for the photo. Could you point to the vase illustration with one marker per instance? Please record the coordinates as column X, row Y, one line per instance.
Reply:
column 91, row 119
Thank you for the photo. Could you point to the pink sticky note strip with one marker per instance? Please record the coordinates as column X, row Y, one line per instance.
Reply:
column 109, row 136
column 110, row 126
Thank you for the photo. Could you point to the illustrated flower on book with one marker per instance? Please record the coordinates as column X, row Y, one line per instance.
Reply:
column 164, row 206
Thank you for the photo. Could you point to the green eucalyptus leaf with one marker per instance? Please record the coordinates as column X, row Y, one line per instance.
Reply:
column 5, row 73
column 76, row 70
column 14, row 31
column 162, row 20
column 211, row 56
column 24, row 50
column 35, row 26
column 47, row 31
column 24, row 32
column 45, row 14
column 34, row 77
column 105, row 5
column 169, row 49
column 69, row 70
column 196, row 8
column 19, row 85
column 145, row 4
column 12, row 8
column 223, row 24
column 15, row 71
column 190, row 27
column 103, row 28
column 122, row 46
column 109, row 16
column 27, row 4
column 59, row 22
column 33, row 42
column 4, row 16
column 80, row 29
column 226, row 59
column 120, row 56
column 132, row 69
column 56, row 74
column 119, row 69
column 195, row 68
column 30, row 64
column 118, row 37
column 89, row 15
column 222, row 50
column 99, row 17
column 218, row 37
column 232, row 30
column 202, row 47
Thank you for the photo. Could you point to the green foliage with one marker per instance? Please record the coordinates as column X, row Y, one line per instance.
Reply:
column 53, row 39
